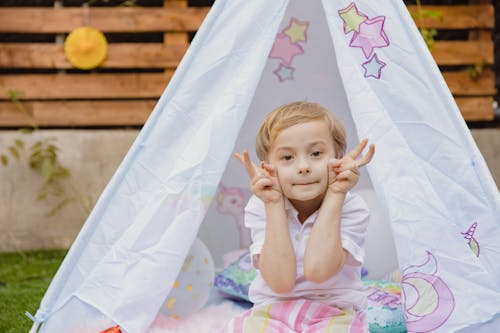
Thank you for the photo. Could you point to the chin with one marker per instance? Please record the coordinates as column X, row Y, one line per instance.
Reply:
column 307, row 196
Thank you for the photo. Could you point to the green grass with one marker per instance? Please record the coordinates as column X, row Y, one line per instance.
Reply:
column 24, row 277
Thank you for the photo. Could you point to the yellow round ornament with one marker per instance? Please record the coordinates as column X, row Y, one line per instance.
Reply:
column 86, row 47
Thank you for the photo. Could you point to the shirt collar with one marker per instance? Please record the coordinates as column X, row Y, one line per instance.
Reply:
column 290, row 209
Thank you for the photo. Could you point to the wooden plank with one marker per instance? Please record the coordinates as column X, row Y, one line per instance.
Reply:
column 175, row 38
column 106, row 19
column 461, row 83
column 459, row 17
column 77, row 113
column 135, row 113
column 480, row 35
column 178, row 18
column 120, row 55
column 477, row 33
column 85, row 86
column 464, row 52
column 476, row 108
column 151, row 85
column 156, row 55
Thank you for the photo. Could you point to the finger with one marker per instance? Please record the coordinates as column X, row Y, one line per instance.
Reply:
column 368, row 157
column 269, row 168
column 245, row 160
column 359, row 149
column 353, row 166
column 334, row 163
column 347, row 174
column 240, row 158
column 332, row 178
column 259, row 174
column 263, row 183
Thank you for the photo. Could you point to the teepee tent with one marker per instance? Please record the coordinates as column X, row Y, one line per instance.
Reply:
column 365, row 61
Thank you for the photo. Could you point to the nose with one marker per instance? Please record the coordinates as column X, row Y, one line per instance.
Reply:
column 304, row 167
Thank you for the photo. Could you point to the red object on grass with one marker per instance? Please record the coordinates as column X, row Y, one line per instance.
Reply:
column 114, row 329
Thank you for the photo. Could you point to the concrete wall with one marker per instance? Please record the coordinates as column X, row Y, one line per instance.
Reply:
column 92, row 156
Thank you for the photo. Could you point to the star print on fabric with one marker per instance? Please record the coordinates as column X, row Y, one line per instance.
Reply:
column 373, row 67
column 352, row 18
column 371, row 35
column 284, row 49
column 284, row 72
column 296, row 30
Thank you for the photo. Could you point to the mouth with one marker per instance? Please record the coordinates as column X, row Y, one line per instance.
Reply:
column 305, row 184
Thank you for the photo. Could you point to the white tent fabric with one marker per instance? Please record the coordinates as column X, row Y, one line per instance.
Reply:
column 365, row 61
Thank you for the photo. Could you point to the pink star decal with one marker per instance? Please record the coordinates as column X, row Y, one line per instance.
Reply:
column 371, row 35
column 284, row 49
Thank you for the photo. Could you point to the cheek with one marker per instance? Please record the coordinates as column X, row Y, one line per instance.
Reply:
column 282, row 172
column 321, row 167
column 284, row 175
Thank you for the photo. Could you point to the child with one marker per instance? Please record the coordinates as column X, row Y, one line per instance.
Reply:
column 307, row 229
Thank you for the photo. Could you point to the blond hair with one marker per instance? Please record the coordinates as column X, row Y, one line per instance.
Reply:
column 295, row 113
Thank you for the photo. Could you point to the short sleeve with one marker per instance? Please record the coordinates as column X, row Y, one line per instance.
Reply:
column 354, row 225
column 255, row 220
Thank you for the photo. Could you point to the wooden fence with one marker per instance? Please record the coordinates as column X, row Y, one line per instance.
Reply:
column 61, row 98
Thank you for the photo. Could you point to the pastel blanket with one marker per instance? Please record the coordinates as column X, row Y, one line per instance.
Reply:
column 296, row 316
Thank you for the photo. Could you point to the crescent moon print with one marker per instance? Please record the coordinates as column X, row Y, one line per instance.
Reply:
column 428, row 301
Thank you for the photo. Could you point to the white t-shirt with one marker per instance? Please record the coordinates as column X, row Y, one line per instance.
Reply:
column 343, row 289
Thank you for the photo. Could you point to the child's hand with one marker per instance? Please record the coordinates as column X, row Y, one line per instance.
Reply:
column 264, row 181
column 343, row 174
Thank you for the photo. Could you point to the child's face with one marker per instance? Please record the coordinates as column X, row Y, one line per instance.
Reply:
column 301, row 154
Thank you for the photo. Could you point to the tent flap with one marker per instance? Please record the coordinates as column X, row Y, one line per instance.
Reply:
column 366, row 62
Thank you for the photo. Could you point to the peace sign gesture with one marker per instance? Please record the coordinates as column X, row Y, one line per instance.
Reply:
column 343, row 174
column 264, row 181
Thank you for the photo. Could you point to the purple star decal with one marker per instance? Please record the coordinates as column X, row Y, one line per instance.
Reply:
column 284, row 72
column 284, row 49
column 373, row 67
column 371, row 35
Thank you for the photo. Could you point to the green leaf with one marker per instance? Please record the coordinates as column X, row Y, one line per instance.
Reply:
column 60, row 206
column 433, row 14
column 37, row 145
column 27, row 130
column 428, row 36
column 42, row 195
column 52, row 148
column 50, row 189
column 14, row 152
column 47, row 169
column 61, row 172
column 19, row 143
column 128, row 3
column 15, row 95
column 5, row 160
column 35, row 159
column 57, row 189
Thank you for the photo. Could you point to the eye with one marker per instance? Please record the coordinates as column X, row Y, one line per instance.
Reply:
column 316, row 154
column 287, row 157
